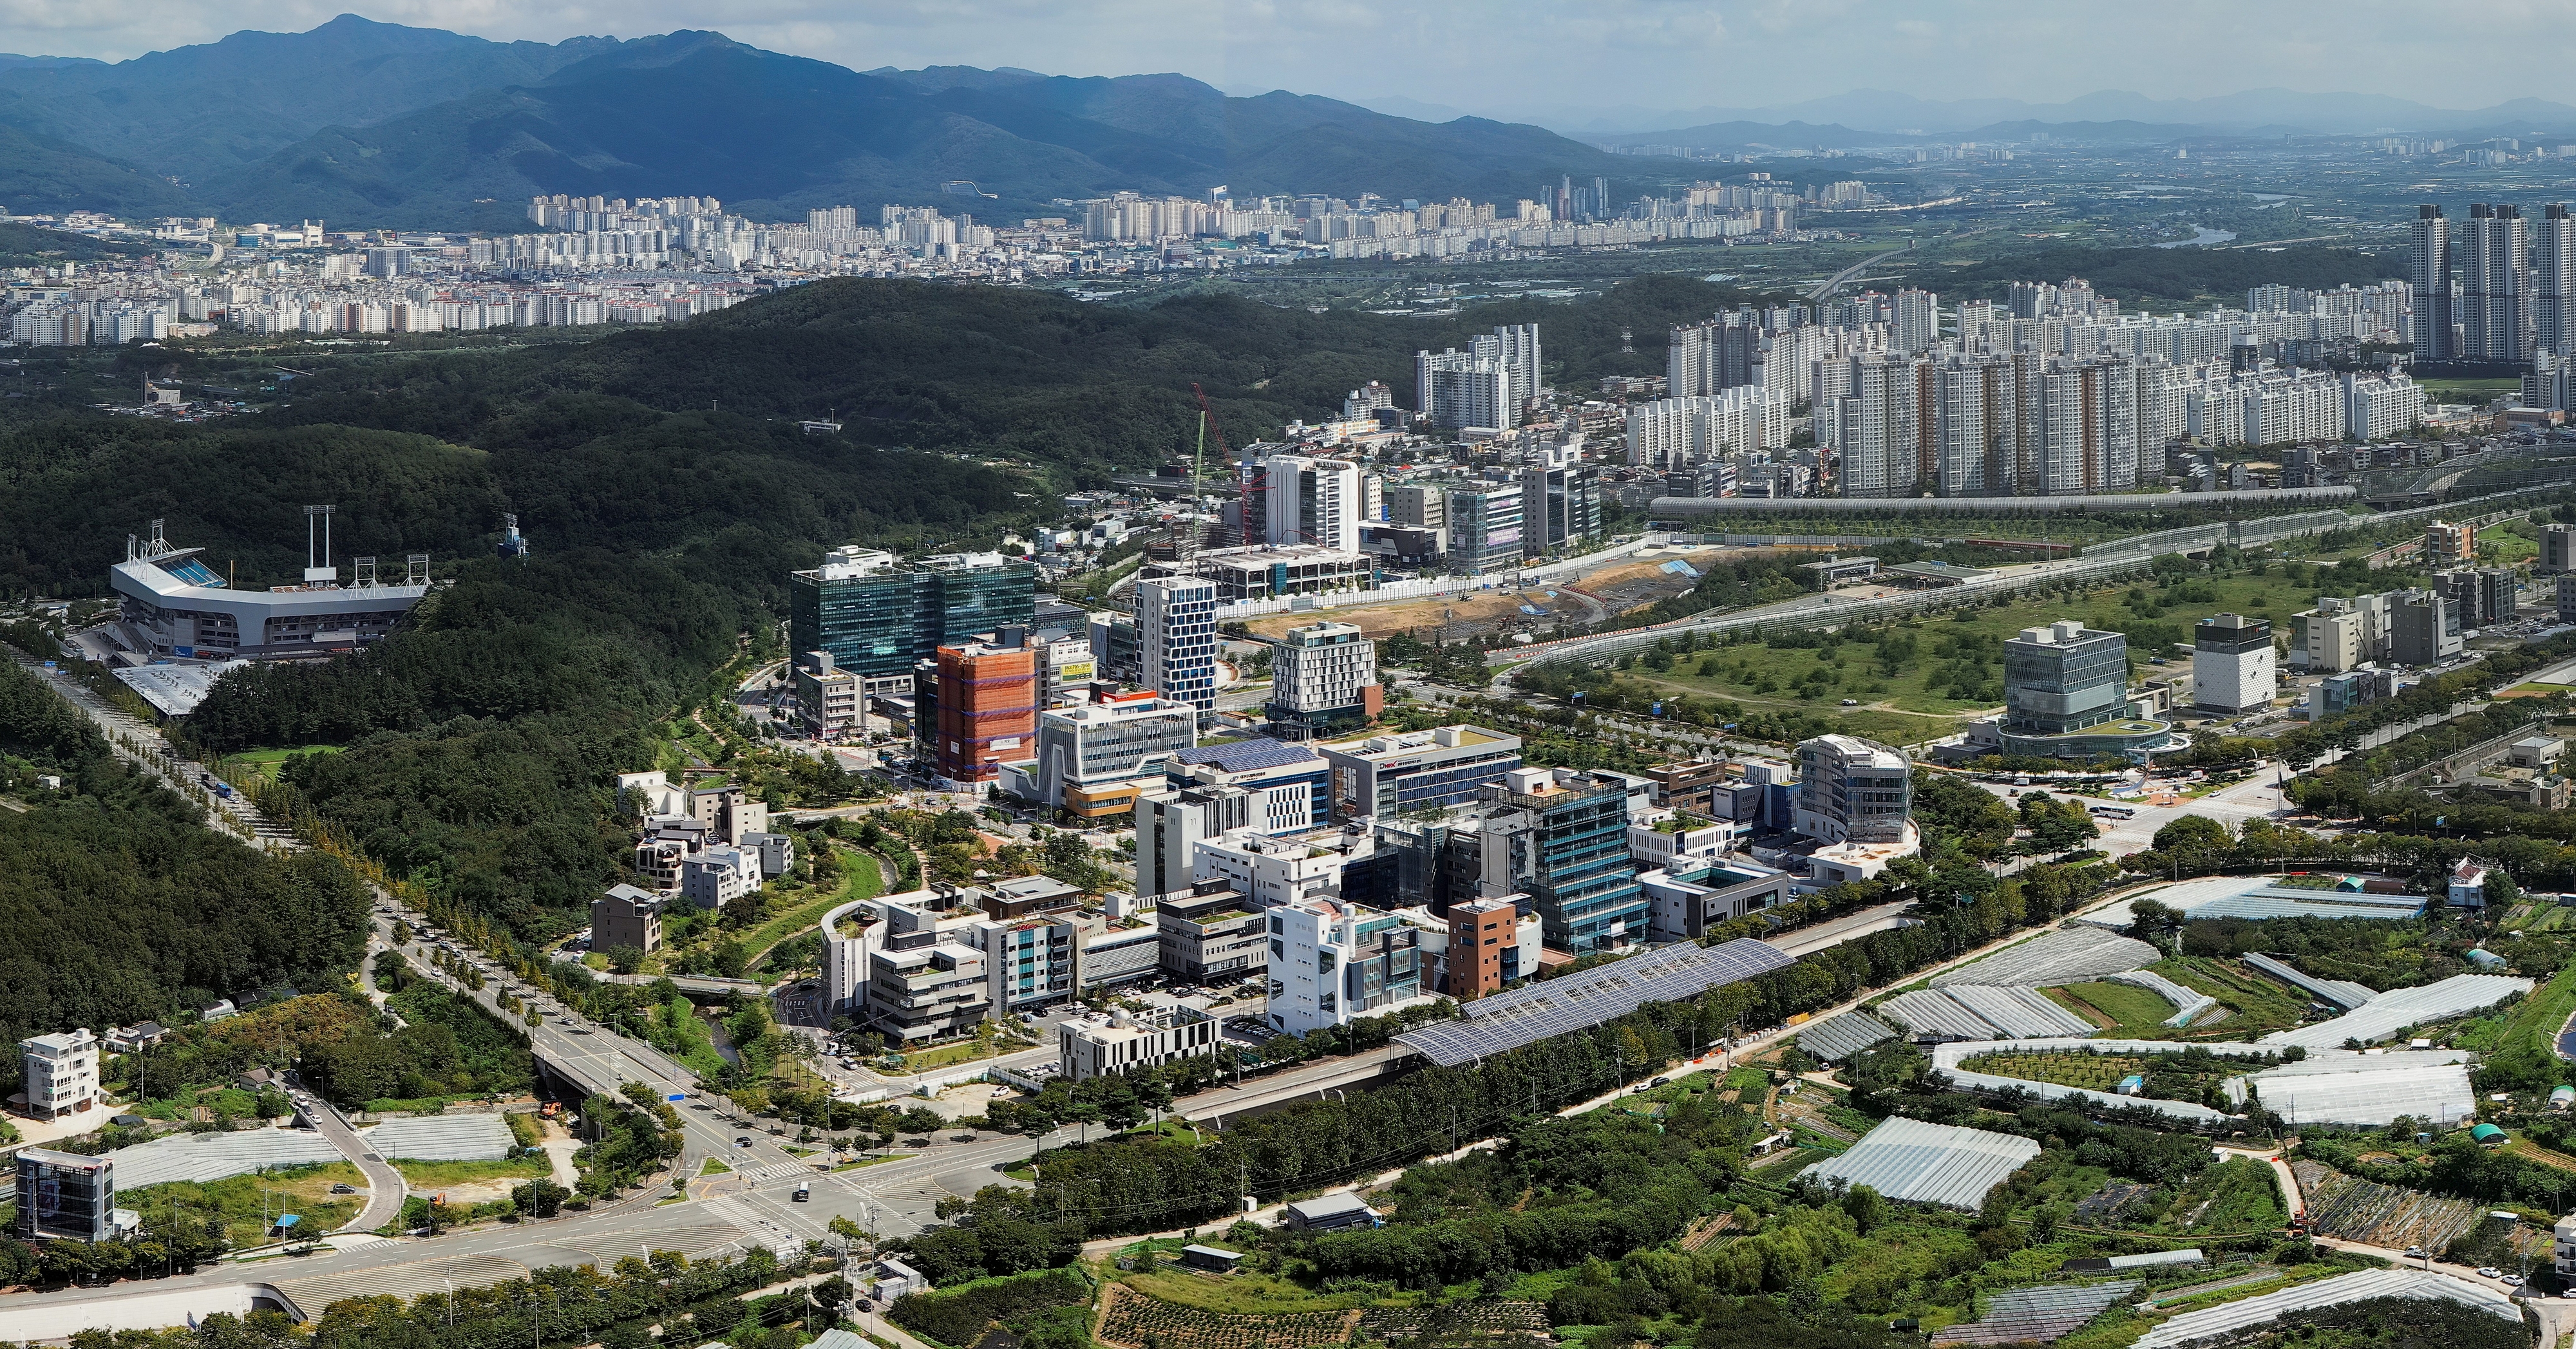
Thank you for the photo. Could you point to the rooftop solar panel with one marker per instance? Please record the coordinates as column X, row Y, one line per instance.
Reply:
column 1540, row 1011
column 1243, row 756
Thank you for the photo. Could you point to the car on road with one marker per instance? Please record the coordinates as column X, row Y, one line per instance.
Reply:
column 2513, row 1280
column 742, row 1141
column 2489, row 1272
column 2414, row 1252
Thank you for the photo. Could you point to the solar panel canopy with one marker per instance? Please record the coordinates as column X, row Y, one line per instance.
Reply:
column 1540, row 1011
column 1912, row 1162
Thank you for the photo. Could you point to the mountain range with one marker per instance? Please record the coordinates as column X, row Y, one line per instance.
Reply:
column 377, row 124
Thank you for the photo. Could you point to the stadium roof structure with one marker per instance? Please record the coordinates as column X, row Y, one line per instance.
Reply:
column 174, row 690
column 2037, row 1315
column 1835, row 1039
column 1535, row 1012
column 1912, row 1162
column 2064, row 956
column 2231, row 1318
column 2398, row 1008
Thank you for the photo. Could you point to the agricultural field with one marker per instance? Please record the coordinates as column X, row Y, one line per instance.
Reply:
column 2124, row 1012
column 262, row 765
column 2248, row 1003
column 1913, row 681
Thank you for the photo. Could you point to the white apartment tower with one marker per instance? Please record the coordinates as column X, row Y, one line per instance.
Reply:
column 1315, row 501
column 2553, row 280
column 1918, row 320
column 1176, row 637
column 2429, row 278
column 1460, row 390
column 2495, row 271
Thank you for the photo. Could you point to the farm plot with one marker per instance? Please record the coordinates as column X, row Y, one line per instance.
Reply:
column 2381, row 1215
column 1133, row 1320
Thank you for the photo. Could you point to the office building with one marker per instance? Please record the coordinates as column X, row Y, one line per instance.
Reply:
column 2484, row 596
column 1854, row 790
column 2430, row 287
column 2066, row 694
column 2495, row 272
column 879, row 616
column 1323, row 677
column 2447, row 545
column 1132, row 1040
column 1094, row 760
column 2424, row 628
column 1409, row 772
column 2557, row 550
column 1485, row 947
column 1176, row 639
column 1290, row 784
column 1561, row 838
column 64, row 1196
column 1690, row 897
column 2553, row 281
column 2346, row 633
column 828, row 704
column 1460, row 391
column 62, row 1073
column 2566, row 597
column 1332, row 962
column 1313, row 501
column 626, row 917
column 1172, row 823
column 2232, row 664
column 1486, row 529
column 1211, row 936
column 1560, row 506
column 987, row 709
column 1272, row 870
column 1419, row 506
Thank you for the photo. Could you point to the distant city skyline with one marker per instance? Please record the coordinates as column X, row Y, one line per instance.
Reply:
column 1612, row 65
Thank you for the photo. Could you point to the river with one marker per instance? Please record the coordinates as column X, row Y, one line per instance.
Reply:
column 2202, row 238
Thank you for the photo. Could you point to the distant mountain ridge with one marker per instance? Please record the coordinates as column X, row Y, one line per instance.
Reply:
column 374, row 123
column 2248, row 111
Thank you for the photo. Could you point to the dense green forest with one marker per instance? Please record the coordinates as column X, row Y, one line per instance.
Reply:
column 119, row 905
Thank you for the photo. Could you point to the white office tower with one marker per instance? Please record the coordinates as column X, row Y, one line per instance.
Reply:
column 1459, row 391
column 2231, row 664
column 1315, row 501
column 2553, row 280
column 1704, row 358
column 1176, row 635
column 1852, row 790
column 1918, row 320
column 1672, row 433
column 1880, row 417
column 2495, row 271
column 2428, row 277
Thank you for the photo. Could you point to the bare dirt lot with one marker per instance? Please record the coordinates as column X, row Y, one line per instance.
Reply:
column 1627, row 584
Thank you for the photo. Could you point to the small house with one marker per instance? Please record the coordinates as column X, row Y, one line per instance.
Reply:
column 2132, row 1085
column 2468, row 888
column 141, row 1035
column 1213, row 1259
column 1331, row 1212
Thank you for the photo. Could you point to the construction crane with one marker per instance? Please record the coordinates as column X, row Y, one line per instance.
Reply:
column 1254, row 480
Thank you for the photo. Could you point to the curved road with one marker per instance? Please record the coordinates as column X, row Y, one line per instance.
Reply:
column 1825, row 288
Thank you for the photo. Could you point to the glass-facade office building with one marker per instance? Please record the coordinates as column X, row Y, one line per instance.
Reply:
column 879, row 615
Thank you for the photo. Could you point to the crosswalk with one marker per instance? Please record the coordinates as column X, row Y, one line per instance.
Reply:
column 778, row 1171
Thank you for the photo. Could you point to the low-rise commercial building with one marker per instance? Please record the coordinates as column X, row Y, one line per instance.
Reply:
column 626, row 917
column 64, row 1196
column 1384, row 776
column 1211, row 936
column 1130, row 1040
column 828, row 704
column 1332, row 962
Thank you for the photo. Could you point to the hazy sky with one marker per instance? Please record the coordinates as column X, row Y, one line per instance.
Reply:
column 1495, row 56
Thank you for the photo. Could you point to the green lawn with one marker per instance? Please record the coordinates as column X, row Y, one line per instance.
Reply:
column 2473, row 391
column 263, row 763
column 1914, row 681
column 2505, row 544
column 713, row 1167
column 2140, row 1014
column 418, row 1174
column 246, row 1205
column 861, row 878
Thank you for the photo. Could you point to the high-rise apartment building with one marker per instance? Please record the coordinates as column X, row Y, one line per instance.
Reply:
column 2553, row 281
column 1323, row 676
column 1852, row 790
column 2429, row 278
column 1672, row 433
column 2232, row 665
column 879, row 616
column 2495, row 271
column 1516, row 346
column 1314, row 501
column 1176, row 638
column 1918, row 320
column 1461, row 391
column 1723, row 353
